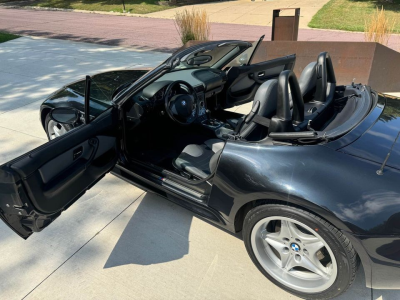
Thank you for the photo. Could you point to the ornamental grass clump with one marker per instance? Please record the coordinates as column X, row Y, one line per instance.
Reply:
column 192, row 25
column 379, row 27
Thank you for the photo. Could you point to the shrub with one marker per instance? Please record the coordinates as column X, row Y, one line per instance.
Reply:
column 192, row 25
column 379, row 27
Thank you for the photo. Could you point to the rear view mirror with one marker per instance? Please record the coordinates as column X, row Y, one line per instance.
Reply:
column 243, row 59
column 199, row 60
column 64, row 115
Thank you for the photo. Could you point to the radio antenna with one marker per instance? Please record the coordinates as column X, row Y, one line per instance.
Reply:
column 380, row 171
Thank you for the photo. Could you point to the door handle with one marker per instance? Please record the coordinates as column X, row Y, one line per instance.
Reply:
column 77, row 152
column 261, row 74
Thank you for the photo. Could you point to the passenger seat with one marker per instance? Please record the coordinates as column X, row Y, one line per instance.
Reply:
column 264, row 104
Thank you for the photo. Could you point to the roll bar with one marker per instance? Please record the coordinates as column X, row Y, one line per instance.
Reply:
column 325, row 75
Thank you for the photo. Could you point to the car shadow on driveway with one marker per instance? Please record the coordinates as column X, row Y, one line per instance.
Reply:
column 158, row 232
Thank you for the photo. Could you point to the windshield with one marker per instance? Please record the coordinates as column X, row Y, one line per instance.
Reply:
column 211, row 56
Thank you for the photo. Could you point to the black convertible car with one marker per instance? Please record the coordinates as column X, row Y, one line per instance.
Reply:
column 310, row 176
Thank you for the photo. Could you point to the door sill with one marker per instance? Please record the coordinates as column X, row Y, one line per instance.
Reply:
column 149, row 181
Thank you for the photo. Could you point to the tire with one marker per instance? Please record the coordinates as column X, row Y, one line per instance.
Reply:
column 331, row 256
column 51, row 133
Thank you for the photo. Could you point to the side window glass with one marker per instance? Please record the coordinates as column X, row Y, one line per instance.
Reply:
column 242, row 59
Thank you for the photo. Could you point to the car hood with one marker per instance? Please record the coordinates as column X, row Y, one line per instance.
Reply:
column 380, row 138
column 102, row 90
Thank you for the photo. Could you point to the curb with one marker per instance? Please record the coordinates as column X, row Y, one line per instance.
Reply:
column 72, row 10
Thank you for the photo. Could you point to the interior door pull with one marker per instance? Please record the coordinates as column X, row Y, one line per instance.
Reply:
column 77, row 152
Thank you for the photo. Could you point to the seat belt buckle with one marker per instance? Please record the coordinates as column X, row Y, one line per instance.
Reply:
column 309, row 128
column 232, row 137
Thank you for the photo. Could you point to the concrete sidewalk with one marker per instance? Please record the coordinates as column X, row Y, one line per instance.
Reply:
column 246, row 12
column 142, row 33
column 116, row 242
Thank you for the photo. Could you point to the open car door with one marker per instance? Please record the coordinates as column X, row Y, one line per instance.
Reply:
column 244, row 77
column 37, row 186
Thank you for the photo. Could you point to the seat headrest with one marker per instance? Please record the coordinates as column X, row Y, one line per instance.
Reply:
column 308, row 78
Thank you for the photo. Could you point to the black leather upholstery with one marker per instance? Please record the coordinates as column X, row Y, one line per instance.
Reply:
column 264, row 104
column 285, row 117
column 317, row 81
column 308, row 79
column 200, row 160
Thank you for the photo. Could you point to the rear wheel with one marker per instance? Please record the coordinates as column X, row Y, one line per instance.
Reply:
column 299, row 251
column 55, row 129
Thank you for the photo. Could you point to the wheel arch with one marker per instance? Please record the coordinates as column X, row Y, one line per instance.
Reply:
column 45, row 110
column 303, row 204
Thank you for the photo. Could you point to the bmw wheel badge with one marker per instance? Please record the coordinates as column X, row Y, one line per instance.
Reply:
column 295, row 247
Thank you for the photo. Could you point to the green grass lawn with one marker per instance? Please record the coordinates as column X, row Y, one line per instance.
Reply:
column 4, row 37
column 351, row 14
column 132, row 6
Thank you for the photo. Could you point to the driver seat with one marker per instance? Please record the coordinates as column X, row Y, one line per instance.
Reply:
column 201, row 160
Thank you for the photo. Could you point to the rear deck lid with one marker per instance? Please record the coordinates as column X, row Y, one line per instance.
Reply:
column 380, row 138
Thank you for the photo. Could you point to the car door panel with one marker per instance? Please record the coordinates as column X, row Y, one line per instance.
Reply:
column 243, row 81
column 36, row 187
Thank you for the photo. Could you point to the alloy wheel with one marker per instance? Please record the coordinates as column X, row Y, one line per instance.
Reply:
column 55, row 129
column 294, row 254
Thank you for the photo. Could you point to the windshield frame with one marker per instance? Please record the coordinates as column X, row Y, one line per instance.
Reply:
column 168, row 65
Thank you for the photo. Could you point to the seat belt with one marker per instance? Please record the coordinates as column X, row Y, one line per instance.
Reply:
column 261, row 120
column 252, row 117
column 248, row 118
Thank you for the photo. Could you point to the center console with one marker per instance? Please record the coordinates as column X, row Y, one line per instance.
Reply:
column 221, row 130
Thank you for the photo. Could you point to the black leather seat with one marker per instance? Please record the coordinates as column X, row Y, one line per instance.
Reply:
column 317, row 81
column 308, row 80
column 264, row 105
column 259, row 106
column 201, row 160
column 317, row 85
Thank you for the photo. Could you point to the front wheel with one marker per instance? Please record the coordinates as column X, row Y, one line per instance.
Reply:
column 299, row 251
column 55, row 129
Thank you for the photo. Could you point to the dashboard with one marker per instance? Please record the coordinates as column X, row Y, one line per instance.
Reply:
column 206, row 82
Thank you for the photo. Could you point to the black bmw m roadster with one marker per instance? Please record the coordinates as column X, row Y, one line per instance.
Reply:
column 310, row 175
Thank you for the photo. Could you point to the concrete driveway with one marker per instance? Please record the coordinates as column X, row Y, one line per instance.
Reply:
column 247, row 12
column 116, row 242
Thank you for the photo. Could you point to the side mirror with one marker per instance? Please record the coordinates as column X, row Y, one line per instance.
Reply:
column 243, row 59
column 64, row 115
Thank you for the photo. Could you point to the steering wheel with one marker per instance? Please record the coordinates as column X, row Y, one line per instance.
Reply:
column 181, row 108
